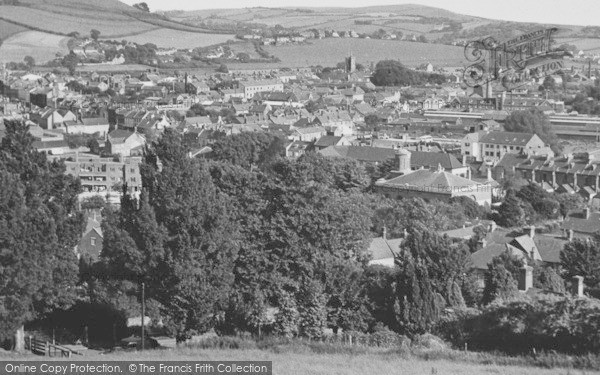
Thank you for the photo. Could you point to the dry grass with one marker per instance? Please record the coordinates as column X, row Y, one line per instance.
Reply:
column 303, row 363
column 179, row 39
column 41, row 46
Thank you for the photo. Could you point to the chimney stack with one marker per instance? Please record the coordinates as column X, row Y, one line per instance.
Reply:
column 525, row 278
column 464, row 160
column 571, row 234
column 384, row 234
column 586, row 212
column 489, row 174
column 532, row 231
column 577, row 286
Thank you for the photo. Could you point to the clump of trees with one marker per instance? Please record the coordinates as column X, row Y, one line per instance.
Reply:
column 39, row 227
column 394, row 73
column 532, row 121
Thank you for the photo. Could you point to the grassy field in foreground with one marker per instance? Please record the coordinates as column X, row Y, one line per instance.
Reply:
column 306, row 362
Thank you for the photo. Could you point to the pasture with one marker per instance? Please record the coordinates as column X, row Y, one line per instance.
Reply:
column 8, row 29
column 303, row 362
column 329, row 52
column 179, row 39
column 113, row 26
column 41, row 46
column 585, row 44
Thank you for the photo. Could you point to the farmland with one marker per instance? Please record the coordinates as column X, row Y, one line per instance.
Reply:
column 585, row 44
column 179, row 39
column 8, row 29
column 41, row 46
column 329, row 52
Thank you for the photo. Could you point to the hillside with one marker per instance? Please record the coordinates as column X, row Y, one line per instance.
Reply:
column 435, row 24
column 29, row 21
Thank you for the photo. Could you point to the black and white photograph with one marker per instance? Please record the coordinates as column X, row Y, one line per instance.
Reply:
column 319, row 187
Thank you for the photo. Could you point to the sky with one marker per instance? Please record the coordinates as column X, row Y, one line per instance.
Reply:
column 568, row 12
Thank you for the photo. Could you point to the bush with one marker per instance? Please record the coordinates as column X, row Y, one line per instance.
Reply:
column 540, row 322
column 225, row 342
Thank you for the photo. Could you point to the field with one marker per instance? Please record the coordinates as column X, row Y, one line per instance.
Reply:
column 586, row 44
column 8, row 29
column 329, row 52
column 179, row 39
column 113, row 26
column 305, row 363
column 41, row 46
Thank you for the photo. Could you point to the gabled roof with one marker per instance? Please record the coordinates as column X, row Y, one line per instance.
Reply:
column 578, row 223
column 433, row 159
column 381, row 248
column 327, row 140
column 440, row 182
column 119, row 135
column 507, row 138
column 364, row 154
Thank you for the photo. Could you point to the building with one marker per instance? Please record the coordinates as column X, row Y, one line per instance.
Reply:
column 123, row 142
column 104, row 175
column 250, row 88
column 430, row 183
column 569, row 174
column 383, row 251
column 491, row 146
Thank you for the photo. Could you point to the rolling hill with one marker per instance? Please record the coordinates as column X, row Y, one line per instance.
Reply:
column 50, row 21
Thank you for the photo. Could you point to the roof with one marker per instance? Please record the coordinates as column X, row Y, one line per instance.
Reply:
column 311, row 130
column 549, row 247
column 481, row 258
column 507, row 138
column 440, row 182
column 50, row 144
column 364, row 154
column 578, row 223
column 119, row 135
column 381, row 248
column 327, row 140
column 433, row 159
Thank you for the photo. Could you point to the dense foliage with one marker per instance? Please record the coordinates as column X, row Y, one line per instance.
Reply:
column 393, row 73
column 39, row 226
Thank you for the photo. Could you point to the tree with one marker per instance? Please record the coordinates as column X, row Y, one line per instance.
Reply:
column 70, row 62
column 532, row 121
column 95, row 34
column 142, row 6
column 446, row 263
column 39, row 227
column 501, row 276
column 248, row 149
column 222, row 69
column 417, row 307
column 549, row 84
column 510, row 213
column 178, row 239
column 243, row 57
column 30, row 61
column 582, row 258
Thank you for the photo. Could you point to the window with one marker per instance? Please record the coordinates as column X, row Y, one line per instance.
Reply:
column 467, row 144
column 93, row 241
column 512, row 147
column 466, row 152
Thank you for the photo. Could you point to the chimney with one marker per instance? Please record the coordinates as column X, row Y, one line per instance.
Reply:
column 489, row 174
column 469, row 173
column 586, row 212
column 571, row 234
column 525, row 278
column 464, row 160
column 384, row 234
column 532, row 231
column 577, row 286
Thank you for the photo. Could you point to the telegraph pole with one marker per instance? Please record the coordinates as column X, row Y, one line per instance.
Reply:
column 143, row 311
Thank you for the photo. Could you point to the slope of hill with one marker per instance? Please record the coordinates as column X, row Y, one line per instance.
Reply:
column 20, row 24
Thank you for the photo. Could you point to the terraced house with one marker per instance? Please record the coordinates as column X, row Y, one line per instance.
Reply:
column 569, row 174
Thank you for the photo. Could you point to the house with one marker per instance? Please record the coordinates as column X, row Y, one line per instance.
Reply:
column 383, row 251
column 90, row 244
column 250, row 88
column 295, row 149
column 330, row 140
column 103, row 175
column 309, row 134
column 430, row 184
column 122, row 142
column 527, row 245
column 57, row 147
column 490, row 146
column 581, row 224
